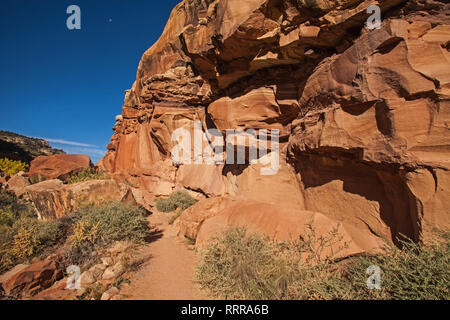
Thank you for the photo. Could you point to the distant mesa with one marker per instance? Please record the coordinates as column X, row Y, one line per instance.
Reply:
column 17, row 147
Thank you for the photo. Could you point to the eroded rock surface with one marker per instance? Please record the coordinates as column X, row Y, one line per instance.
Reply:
column 27, row 280
column 60, row 166
column 363, row 114
column 52, row 199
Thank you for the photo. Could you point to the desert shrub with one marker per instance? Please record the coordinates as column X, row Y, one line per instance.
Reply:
column 80, row 255
column 8, row 216
column 22, row 235
column 415, row 272
column 88, row 174
column 11, row 167
column 26, row 238
column 109, row 222
column 7, row 198
column 129, row 262
column 9, row 201
column 238, row 265
column 178, row 200
column 24, row 243
column 84, row 232
column 120, row 281
column 6, row 238
column 48, row 234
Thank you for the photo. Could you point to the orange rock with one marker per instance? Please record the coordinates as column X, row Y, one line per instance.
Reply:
column 282, row 224
column 34, row 278
column 59, row 166
column 362, row 160
column 52, row 199
column 17, row 184
column 364, row 114
column 191, row 220
column 257, row 109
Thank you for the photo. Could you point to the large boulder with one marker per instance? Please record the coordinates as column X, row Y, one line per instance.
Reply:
column 60, row 166
column 208, row 218
column 29, row 280
column 189, row 223
column 17, row 184
column 53, row 199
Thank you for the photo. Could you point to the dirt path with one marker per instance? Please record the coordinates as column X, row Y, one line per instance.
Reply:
column 169, row 273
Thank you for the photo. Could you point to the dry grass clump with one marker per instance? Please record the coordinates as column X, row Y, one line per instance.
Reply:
column 88, row 174
column 109, row 222
column 97, row 227
column 239, row 265
column 26, row 238
column 23, row 236
column 178, row 200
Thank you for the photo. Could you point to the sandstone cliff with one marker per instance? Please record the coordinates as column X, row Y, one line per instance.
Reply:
column 363, row 114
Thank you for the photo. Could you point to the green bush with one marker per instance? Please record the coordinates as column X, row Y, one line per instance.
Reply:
column 413, row 273
column 178, row 200
column 237, row 265
column 6, row 199
column 110, row 222
column 88, row 174
column 11, row 209
column 26, row 238
column 23, row 236
column 8, row 216
column 11, row 167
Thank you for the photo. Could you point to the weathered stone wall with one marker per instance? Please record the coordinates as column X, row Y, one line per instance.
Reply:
column 363, row 115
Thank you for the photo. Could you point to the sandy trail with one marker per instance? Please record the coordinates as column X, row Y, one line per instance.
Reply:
column 169, row 273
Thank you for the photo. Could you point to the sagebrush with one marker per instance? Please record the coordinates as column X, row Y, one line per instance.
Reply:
column 88, row 174
column 239, row 265
column 109, row 222
column 26, row 238
column 178, row 200
column 23, row 236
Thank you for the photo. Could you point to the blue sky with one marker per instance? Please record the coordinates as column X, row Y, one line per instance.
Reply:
column 68, row 85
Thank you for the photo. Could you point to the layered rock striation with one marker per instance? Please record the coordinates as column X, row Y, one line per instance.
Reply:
column 363, row 115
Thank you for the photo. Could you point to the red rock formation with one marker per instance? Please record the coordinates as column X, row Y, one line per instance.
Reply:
column 28, row 280
column 17, row 183
column 60, row 166
column 52, row 199
column 363, row 115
